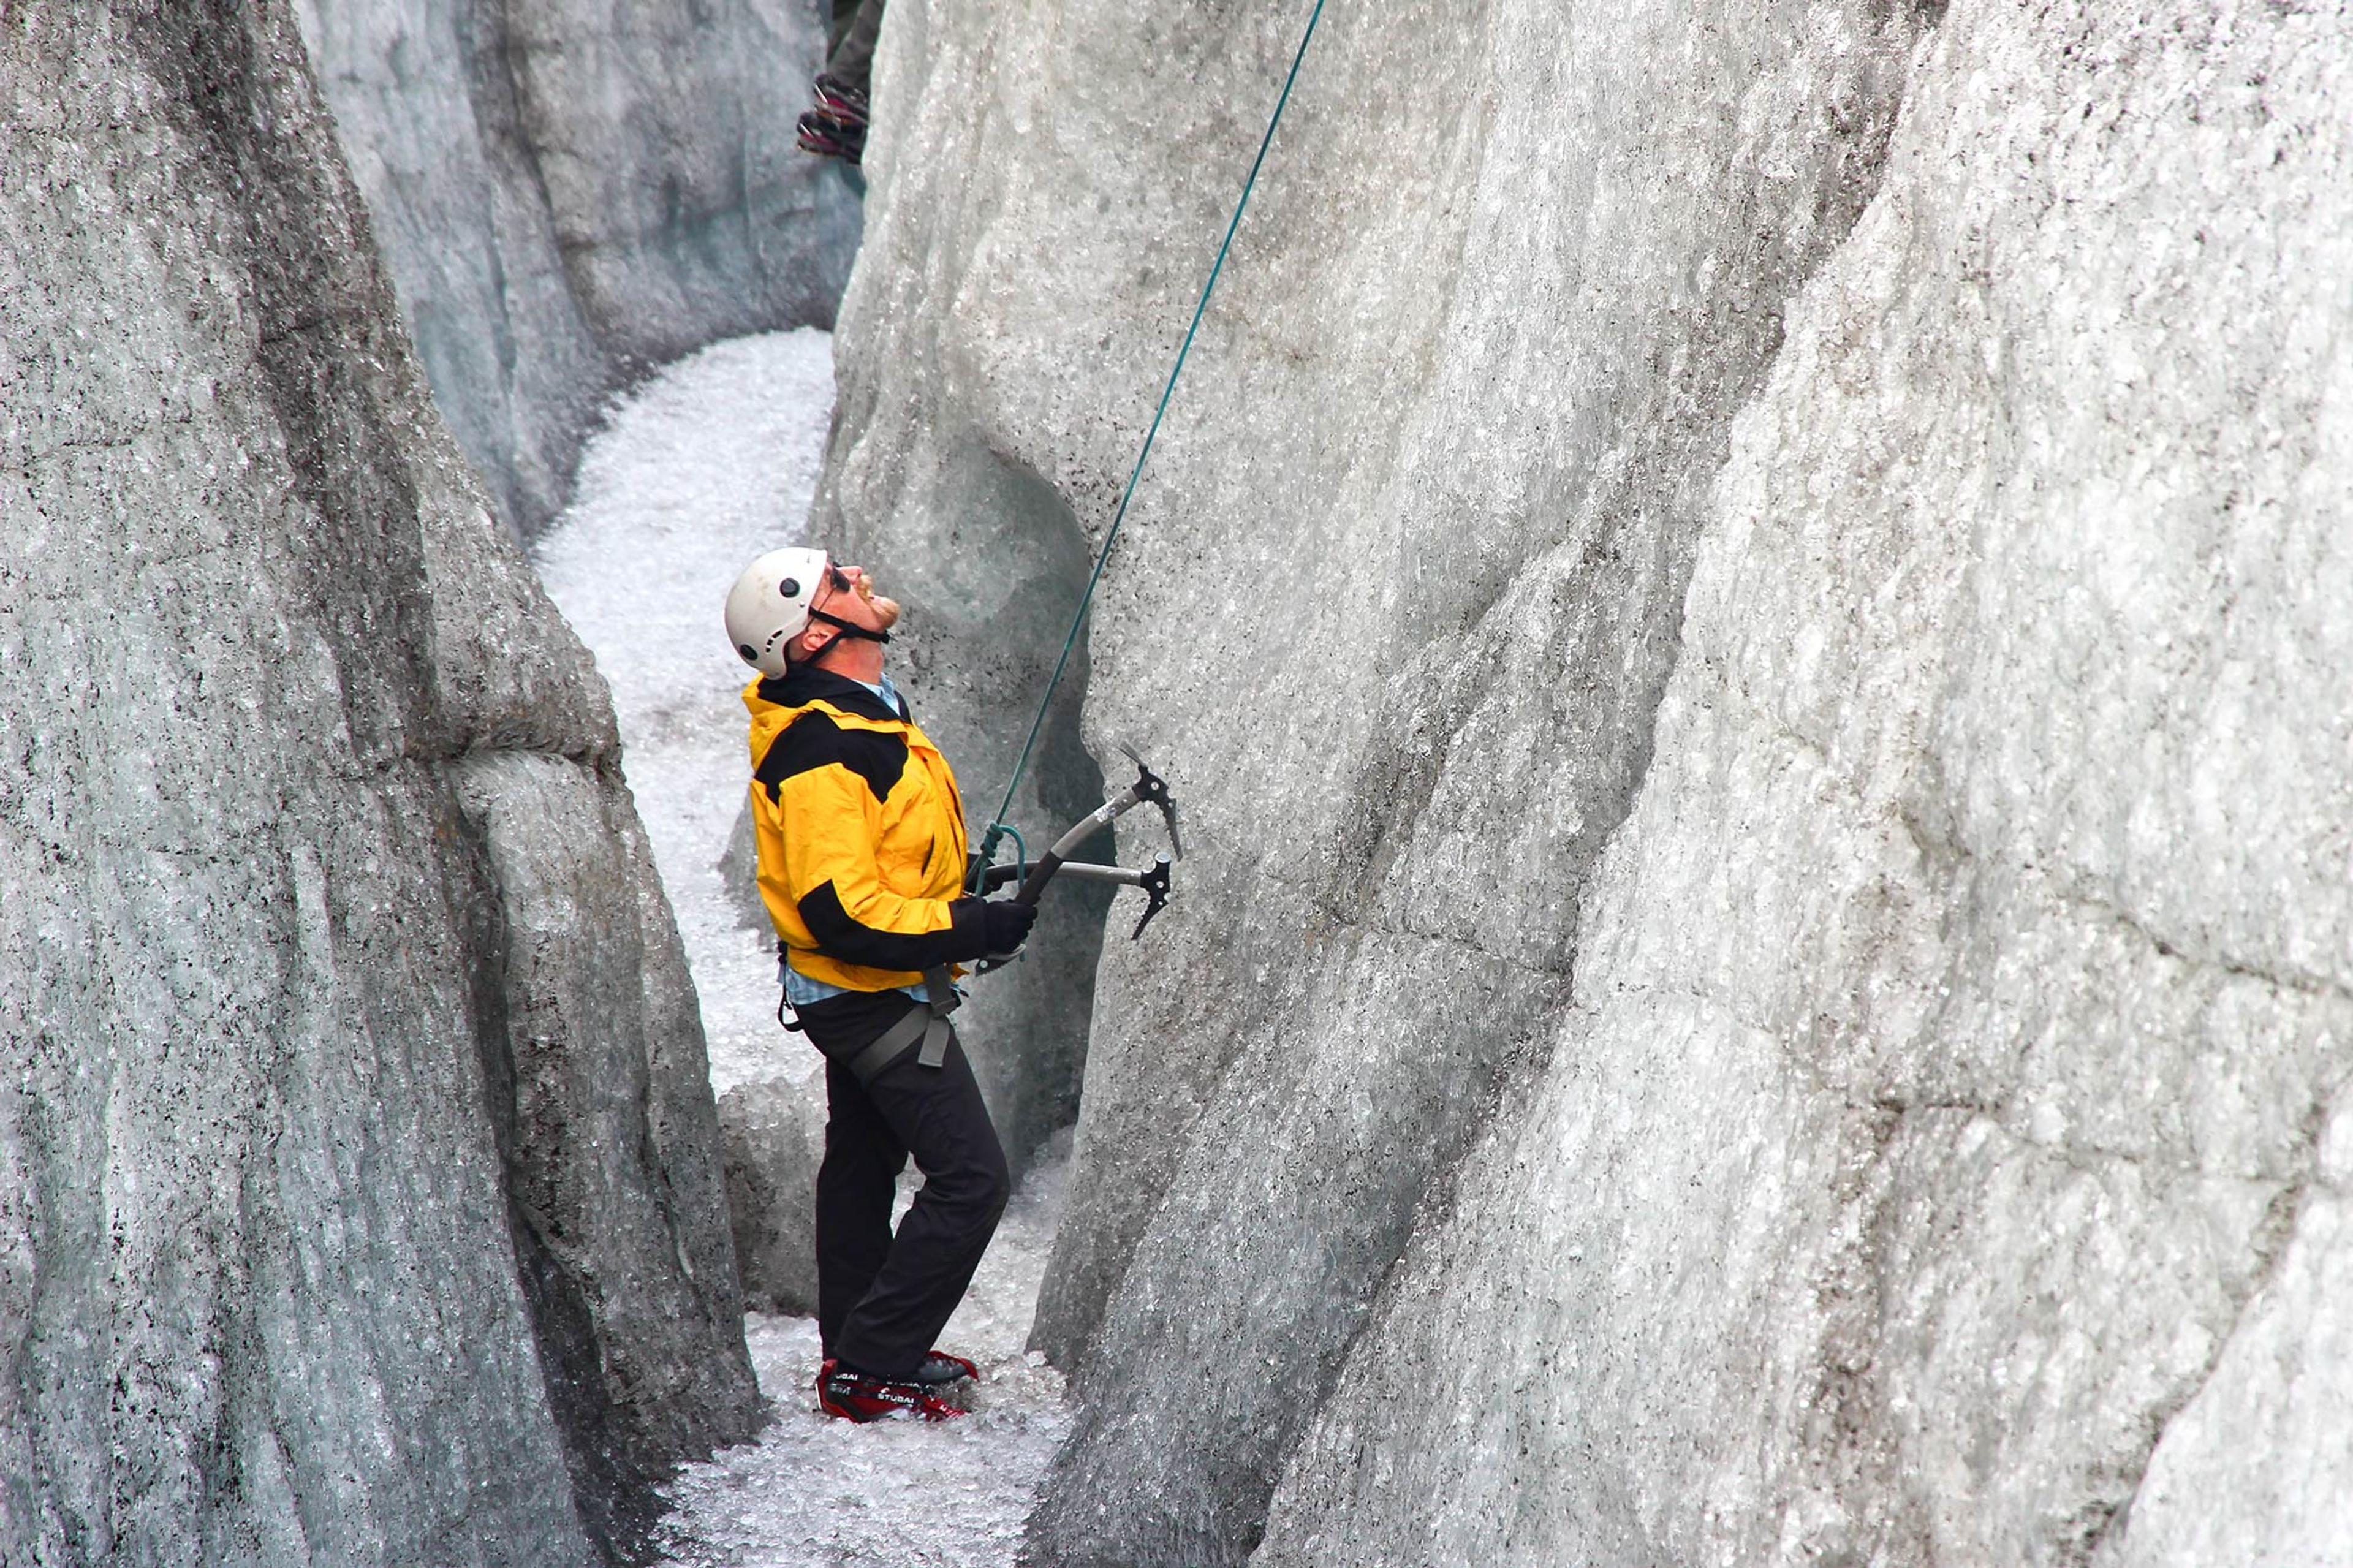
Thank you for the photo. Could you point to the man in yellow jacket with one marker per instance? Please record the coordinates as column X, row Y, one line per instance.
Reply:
column 861, row 858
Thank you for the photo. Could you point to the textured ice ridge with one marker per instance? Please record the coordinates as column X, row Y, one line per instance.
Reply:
column 359, row 1191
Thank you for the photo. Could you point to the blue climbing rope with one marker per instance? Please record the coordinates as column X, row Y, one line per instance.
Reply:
column 997, row 826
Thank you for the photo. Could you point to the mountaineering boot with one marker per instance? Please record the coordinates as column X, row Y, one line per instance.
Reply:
column 836, row 127
column 817, row 131
column 839, row 102
column 940, row 1368
column 855, row 1396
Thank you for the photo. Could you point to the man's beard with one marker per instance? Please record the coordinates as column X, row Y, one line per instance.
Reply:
column 886, row 611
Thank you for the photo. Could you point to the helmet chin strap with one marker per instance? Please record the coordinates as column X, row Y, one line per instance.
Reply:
column 849, row 628
column 845, row 629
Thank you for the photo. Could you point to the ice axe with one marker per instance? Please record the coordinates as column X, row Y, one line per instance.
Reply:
column 1154, row 879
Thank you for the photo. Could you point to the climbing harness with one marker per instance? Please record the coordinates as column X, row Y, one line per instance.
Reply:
column 984, row 873
column 930, row 1021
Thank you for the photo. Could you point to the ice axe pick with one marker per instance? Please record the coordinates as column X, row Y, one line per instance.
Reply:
column 1149, row 787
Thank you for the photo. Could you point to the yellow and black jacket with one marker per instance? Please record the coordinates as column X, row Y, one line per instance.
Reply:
column 861, row 835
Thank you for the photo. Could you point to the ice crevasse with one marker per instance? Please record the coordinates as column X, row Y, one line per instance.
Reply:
column 1745, row 602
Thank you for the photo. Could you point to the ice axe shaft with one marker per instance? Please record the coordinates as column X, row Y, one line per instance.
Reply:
column 1148, row 786
column 1075, row 871
column 1153, row 879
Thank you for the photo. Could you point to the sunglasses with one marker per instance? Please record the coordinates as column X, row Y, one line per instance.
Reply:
column 835, row 578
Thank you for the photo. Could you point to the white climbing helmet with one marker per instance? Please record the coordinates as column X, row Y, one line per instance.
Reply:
column 769, row 605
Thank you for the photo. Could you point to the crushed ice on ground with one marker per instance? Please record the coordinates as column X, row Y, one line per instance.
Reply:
column 814, row 1491
column 702, row 468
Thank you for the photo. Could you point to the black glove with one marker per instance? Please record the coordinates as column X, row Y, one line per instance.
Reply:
column 1007, row 923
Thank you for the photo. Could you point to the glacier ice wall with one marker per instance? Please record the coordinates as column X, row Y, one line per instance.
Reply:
column 567, row 191
column 359, row 1193
column 1743, row 603
column 1940, row 1123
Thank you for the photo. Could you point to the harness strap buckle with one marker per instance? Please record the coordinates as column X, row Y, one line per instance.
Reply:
column 942, row 993
column 928, row 1021
column 787, row 1015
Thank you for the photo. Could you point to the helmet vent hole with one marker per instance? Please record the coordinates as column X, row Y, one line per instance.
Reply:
column 751, row 655
column 790, row 588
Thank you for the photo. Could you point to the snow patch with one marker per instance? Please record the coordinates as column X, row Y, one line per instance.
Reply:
column 707, row 465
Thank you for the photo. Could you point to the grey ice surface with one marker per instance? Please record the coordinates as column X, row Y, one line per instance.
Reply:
column 569, row 191
column 359, row 1188
column 1931, row 1152
column 1745, row 603
column 739, row 872
column 771, row 1134
column 700, row 468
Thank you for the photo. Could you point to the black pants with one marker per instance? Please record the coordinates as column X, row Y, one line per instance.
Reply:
column 883, row 1298
column 850, row 59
